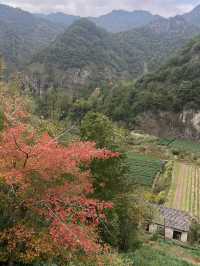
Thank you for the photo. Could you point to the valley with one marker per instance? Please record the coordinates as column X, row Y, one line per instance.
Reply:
column 99, row 138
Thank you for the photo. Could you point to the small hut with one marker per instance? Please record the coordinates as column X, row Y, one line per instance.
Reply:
column 172, row 223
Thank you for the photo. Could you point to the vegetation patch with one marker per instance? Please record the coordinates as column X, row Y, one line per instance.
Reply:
column 148, row 256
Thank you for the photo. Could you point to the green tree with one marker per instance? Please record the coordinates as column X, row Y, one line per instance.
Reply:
column 111, row 182
column 97, row 127
column 194, row 235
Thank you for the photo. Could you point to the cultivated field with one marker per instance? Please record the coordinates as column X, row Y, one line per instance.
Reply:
column 184, row 193
column 143, row 169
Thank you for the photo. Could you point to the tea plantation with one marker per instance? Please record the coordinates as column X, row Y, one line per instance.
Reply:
column 143, row 169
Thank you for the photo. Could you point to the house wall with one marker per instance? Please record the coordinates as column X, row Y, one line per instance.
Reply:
column 184, row 237
column 169, row 233
column 153, row 228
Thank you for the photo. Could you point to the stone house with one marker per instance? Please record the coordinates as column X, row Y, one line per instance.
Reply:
column 171, row 223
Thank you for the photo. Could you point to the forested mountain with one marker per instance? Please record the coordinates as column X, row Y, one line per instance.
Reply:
column 22, row 34
column 86, row 54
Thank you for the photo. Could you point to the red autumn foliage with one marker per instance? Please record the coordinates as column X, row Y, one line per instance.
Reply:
column 55, row 183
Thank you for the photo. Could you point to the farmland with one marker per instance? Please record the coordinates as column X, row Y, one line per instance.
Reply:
column 184, row 193
column 181, row 145
column 143, row 169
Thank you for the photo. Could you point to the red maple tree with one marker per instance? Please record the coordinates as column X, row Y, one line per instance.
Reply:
column 51, row 183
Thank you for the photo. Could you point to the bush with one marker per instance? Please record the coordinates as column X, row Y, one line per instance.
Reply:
column 194, row 235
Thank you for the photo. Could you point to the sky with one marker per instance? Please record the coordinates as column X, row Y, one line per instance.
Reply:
column 83, row 8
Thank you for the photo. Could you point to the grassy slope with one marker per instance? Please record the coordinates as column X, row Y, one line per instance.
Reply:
column 165, row 253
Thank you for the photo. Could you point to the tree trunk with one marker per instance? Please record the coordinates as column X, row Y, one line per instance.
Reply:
column 10, row 263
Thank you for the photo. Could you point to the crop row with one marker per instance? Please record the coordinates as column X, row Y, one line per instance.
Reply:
column 143, row 169
column 184, row 193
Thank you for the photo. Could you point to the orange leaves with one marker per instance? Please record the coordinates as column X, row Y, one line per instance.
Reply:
column 53, row 183
column 74, row 237
column 25, row 244
column 21, row 151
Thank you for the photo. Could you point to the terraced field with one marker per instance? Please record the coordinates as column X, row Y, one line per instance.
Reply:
column 184, row 193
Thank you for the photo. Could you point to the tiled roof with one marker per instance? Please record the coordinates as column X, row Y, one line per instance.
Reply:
column 175, row 219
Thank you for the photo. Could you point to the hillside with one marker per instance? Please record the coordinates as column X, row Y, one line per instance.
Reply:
column 163, row 103
column 177, row 80
column 154, row 43
column 171, row 95
column 22, row 34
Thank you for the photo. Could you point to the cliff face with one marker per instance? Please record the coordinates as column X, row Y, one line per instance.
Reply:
column 171, row 125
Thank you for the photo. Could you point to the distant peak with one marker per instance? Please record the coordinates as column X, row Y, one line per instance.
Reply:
column 85, row 22
column 121, row 11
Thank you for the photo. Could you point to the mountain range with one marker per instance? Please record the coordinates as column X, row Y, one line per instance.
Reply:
column 87, row 54
column 120, row 44
column 115, row 21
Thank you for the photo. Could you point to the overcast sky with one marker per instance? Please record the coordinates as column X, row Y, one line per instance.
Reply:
column 99, row 7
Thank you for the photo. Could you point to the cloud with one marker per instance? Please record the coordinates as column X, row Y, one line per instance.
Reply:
column 98, row 7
